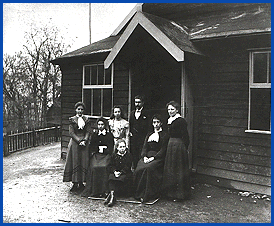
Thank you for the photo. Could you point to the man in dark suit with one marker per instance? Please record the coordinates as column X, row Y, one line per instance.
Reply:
column 138, row 125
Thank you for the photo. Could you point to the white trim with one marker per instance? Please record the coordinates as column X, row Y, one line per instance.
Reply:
column 140, row 19
column 257, row 131
column 260, row 85
column 97, row 86
column 253, row 85
column 137, row 8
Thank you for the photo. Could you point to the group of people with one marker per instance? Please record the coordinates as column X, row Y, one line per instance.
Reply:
column 121, row 155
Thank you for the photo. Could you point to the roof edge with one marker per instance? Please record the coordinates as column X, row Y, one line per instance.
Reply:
column 137, row 8
column 140, row 19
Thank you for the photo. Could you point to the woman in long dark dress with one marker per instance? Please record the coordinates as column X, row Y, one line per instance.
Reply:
column 101, row 148
column 149, row 170
column 77, row 160
column 176, row 178
column 120, row 164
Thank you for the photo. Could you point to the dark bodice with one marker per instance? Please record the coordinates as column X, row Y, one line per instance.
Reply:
column 121, row 163
column 77, row 134
column 101, row 140
column 178, row 129
column 155, row 149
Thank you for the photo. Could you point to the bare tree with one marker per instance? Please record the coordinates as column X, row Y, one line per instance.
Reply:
column 30, row 83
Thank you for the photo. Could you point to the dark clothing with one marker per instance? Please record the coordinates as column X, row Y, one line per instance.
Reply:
column 176, row 177
column 98, row 172
column 77, row 160
column 148, row 176
column 138, row 129
column 122, row 164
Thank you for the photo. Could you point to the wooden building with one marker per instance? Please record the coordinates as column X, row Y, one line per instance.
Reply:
column 213, row 58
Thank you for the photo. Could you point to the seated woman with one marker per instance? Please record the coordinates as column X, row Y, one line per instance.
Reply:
column 149, row 170
column 101, row 148
column 120, row 164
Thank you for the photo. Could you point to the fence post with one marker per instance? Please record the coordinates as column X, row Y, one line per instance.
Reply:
column 56, row 133
column 5, row 145
column 34, row 138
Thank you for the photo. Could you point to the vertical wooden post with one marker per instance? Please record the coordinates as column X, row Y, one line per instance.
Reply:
column 56, row 133
column 5, row 145
column 129, row 92
column 183, row 94
column 34, row 138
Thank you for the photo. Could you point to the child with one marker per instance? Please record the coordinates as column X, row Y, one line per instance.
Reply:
column 120, row 164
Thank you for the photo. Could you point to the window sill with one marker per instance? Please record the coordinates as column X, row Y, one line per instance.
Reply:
column 258, row 131
column 96, row 117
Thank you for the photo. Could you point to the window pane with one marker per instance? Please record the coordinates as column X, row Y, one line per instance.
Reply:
column 260, row 68
column 94, row 75
column 260, row 109
column 108, row 76
column 87, row 75
column 100, row 75
column 107, row 102
column 87, row 101
column 97, row 102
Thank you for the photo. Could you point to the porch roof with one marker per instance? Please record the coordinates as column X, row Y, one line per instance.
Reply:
column 170, row 35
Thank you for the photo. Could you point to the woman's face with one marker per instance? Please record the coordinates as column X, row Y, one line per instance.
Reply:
column 117, row 113
column 79, row 110
column 121, row 148
column 171, row 110
column 156, row 123
column 100, row 125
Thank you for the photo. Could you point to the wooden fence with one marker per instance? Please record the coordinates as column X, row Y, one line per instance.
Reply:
column 16, row 141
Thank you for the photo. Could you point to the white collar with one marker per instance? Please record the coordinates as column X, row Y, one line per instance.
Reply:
column 139, row 109
column 158, row 131
column 172, row 118
column 103, row 132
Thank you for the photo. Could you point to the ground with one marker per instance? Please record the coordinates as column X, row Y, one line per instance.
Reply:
column 33, row 192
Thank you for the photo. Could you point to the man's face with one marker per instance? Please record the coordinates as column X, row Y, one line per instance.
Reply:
column 138, row 103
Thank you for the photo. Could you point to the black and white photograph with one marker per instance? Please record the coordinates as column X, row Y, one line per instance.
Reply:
column 136, row 112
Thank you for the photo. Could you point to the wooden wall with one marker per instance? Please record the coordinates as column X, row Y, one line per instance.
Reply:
column 226, row 155
column 121, row 87
column 72, row 93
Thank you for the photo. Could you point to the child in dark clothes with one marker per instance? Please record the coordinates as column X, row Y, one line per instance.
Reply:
column 120, row 164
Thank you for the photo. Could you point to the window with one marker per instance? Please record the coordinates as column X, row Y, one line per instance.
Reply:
column 259, row 115
column 97, row 89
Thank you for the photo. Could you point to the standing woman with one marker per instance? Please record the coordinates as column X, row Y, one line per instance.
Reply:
column 101, row 148
column 119, row 127
column 176, row 178
column 149, row 171
column 77, row 158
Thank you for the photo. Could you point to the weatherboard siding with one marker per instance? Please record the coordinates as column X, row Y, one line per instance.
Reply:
column 226, row 154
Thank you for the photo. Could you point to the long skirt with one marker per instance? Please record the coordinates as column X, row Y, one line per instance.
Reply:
column 176, row 177
column 98, row 173
column 77, row 162
column 147, row 179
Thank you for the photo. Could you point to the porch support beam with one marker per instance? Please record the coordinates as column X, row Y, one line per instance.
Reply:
column 156, row 33
column 183, row 89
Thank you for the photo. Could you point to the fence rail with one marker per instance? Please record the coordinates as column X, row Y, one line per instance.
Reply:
column 17, row 141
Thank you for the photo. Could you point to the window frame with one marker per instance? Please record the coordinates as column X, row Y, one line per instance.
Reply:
column 93, row 87
column 253, row 85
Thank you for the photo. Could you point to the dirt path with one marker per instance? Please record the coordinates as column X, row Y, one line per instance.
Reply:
column 33, row 192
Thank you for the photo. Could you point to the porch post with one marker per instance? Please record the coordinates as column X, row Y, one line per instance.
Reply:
column 129, row 92
column 183, row 88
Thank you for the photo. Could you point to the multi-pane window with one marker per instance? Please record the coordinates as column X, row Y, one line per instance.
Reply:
column 259, row 116
column 97, row 89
